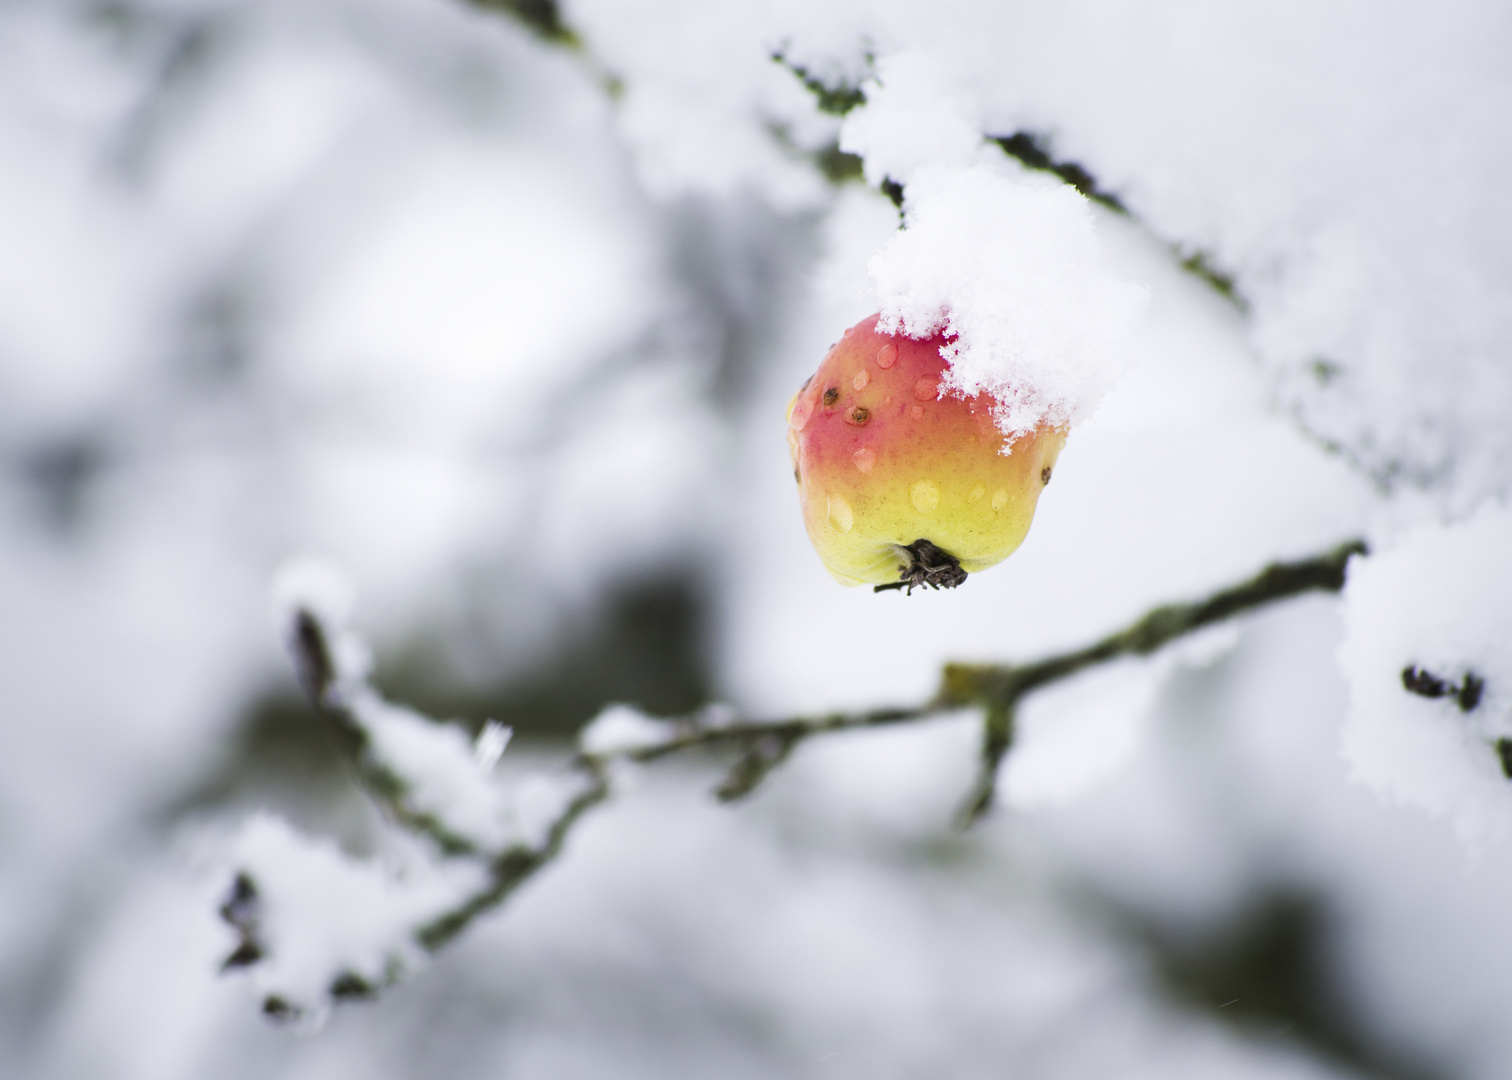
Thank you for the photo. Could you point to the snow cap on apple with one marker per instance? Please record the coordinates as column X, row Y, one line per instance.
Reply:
column 921, row 444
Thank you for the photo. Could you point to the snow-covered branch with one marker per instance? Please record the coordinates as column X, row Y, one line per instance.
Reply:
column 995, row 689
column 316, row 926
column 1031, row 149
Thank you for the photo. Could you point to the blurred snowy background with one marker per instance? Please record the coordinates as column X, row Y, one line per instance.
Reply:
column 498, row 307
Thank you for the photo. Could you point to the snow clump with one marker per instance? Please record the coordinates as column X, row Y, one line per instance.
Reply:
column 1007, row 267
column 1427, row 653
column 442, row 776
column 321, row 914
column 622, row 729
column 439, row 771
column 913, row 119
column 312, row 587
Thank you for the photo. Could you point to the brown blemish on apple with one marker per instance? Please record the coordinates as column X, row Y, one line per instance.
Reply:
column 858, row 416
column 832, row 395
column 1045, row 475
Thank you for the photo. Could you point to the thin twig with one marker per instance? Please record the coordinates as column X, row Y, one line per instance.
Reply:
column 998, row 688
column 512, row 868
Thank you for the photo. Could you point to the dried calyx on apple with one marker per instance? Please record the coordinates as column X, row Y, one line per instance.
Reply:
column 904, row 483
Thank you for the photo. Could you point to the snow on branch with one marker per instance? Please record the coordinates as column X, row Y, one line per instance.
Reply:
column 1008, row 268
column 1012, row 274
column 1427, row 654
column 993, row 689
column 909, row 120
column 316, row 926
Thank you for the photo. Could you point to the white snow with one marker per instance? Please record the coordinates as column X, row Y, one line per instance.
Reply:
column 439, row 769
column 317, row 587
column 1439, row 602
column 310, row 583
column 321, row 913
column 1005, row 265
column 1343, row 168
column 1010, row 271
column 538, row 801
column 912, row 119
column 394, row 281
column 624, row 729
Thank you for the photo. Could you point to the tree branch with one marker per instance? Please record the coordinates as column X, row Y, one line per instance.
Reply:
column 995, row 689
column 998, row 688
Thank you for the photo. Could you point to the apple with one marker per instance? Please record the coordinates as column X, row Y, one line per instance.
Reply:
column 903, row 484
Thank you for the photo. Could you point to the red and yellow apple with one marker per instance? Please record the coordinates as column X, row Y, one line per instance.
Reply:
column 900, row 483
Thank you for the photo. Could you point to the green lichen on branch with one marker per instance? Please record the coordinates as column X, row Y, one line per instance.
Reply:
column 837, row 98
column 1200, row 265
column 834, row 164
column 839, row 166
column 543, row 18
column 1033, row 152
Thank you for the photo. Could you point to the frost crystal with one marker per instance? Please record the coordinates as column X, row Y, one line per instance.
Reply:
column 491, row 743
column 1428, row 656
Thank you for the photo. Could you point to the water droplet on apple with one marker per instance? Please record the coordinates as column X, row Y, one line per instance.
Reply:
column 887, row 356
column 926, row 389
column 916, row 411
column 976, row 493
column 803, row 408
column 862, row 378
column 999, row 499
column 840, row 515
column 925, row 496
column 864, row 459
